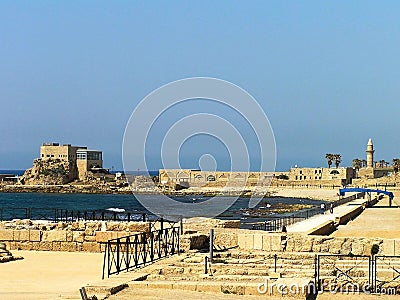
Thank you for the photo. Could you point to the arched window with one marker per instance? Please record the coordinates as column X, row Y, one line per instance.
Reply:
column 210, row 178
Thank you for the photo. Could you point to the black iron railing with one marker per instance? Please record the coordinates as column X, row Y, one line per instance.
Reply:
column 125, row 253
column 276, row 224
column 338, row 271
column 65, row 215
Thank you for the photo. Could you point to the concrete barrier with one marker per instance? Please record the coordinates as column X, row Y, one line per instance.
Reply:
column 323, row 229
column 350, row 215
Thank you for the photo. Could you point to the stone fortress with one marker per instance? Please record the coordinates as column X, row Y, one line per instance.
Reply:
column 85, row 159
column 372, row 173
column 61, row 164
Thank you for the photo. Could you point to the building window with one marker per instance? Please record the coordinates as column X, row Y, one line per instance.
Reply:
column 296, row 177
column 301, row 172
column 210, row 178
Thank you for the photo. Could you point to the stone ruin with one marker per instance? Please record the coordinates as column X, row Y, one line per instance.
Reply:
column 6, row 255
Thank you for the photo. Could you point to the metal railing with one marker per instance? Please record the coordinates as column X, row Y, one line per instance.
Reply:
column 276, row 224
column 378, row 274
column 65, row 215
column 133, row 251
column 386, row 274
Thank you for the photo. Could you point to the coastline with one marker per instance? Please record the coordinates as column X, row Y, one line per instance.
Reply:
column 272, row 192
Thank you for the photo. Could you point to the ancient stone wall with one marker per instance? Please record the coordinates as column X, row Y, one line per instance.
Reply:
column 76, row 236
column 254, row 240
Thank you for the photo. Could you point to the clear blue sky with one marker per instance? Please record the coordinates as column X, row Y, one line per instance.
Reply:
column 326, row 73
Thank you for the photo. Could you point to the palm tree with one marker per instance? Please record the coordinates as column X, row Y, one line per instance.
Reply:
column 329, row 158
column 357, row 164
column 338, row 159
column 396, row 164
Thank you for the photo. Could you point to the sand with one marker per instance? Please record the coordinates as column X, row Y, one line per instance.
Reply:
column 48, row 275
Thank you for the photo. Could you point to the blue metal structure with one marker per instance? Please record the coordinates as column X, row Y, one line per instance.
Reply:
column 362, row 190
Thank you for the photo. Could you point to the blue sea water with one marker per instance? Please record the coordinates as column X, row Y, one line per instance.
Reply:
column 14, row 205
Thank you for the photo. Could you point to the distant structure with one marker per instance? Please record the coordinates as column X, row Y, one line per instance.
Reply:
column 86, row 160
column 372, row 170
column 195, row 178
column 339, row 176
column 370, row 154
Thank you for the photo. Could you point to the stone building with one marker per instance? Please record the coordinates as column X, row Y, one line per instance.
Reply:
column 317, row 175
column 86, row 160
column 188, row 178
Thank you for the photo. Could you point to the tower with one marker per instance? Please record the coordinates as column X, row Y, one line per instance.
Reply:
column 370, row 154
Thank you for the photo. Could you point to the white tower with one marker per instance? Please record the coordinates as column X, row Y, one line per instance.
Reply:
column 370, row 154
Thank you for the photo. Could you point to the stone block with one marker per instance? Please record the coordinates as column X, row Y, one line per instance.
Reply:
column 56, row 246
column 246, row 241
column 90, row 247
column 21, row 235
column 55, row 236
column 103, row 236
column 233, row 288
column 165, row 285
column 68, row 246
column 397, row 247
column 276, row 243
column 90, row 238
column 137, row 226
column 25, row 246
column 258, row 241
column 210, row 287
column 388, row 247
column 46, row 246
column 78, row 236
column 35, row 235
column 6, row 235
column 266, row 243
column 185, row 285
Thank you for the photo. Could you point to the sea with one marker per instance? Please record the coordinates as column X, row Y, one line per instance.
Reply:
column 44, row 205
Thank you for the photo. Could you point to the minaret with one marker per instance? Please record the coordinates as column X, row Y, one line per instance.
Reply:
column 370, row 154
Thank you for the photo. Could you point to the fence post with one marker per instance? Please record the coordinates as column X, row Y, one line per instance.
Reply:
column 127, row 260
column 151, row 233
column 117, row 265
column 211, row 244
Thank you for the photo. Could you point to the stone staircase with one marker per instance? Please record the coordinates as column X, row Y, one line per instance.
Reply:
column 231, row 272
column 255, row 273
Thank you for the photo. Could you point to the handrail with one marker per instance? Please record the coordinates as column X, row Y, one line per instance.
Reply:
column 128, row 252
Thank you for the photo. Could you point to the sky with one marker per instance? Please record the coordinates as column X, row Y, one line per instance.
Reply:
column 326, row 74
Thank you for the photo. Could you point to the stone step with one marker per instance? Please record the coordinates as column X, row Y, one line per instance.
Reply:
column 230, row 287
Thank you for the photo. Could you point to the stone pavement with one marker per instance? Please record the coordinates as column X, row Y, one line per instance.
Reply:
column 317, row 220
column 374, row 222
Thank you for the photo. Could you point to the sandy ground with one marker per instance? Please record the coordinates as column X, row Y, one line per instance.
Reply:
column 150, row 294
column 47, row 275
column 374, row 222
column 318, row 194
